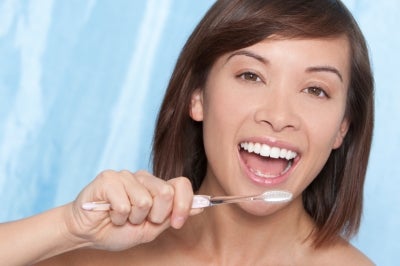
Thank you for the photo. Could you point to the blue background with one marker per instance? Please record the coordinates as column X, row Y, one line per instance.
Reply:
column 81, row 83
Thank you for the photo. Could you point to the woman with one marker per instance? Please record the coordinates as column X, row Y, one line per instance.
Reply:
column 272, row 95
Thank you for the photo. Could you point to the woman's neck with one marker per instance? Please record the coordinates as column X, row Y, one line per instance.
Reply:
column 227, row 231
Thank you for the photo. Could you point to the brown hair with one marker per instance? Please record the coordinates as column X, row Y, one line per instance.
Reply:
column 334, row 198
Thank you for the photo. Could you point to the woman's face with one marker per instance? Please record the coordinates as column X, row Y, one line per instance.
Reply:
column 272, row 113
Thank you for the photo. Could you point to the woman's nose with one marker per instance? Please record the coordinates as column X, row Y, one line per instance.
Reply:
column 278, row 110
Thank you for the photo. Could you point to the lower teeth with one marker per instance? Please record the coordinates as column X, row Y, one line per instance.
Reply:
column 267, row 175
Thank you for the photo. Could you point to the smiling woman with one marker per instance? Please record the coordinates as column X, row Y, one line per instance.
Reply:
column 340, row 182
column 263, row 97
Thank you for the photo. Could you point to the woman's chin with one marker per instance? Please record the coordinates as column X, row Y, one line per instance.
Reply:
column 259, row 208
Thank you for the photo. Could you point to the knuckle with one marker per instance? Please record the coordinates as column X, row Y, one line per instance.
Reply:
column 141, row 175
column 106, row 178
column 125, row 173
column 166, row 192
column 143, row 203
column 106, row 174
column 141, row 172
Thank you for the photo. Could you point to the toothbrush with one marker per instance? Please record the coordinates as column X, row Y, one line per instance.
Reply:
column 203, row 201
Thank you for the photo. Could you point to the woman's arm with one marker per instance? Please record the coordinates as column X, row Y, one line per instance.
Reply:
column 142, row 206
column 36, row 238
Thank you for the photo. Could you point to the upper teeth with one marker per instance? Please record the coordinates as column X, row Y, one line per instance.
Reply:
column 268, row 151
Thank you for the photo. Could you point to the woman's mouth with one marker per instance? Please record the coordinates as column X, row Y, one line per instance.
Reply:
column 267, row 164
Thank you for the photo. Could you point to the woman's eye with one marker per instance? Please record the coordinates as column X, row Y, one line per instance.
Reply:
column 249, row 76
column 316, row 91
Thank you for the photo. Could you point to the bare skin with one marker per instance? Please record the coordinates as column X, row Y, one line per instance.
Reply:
column 291, row 100
column 199, row 243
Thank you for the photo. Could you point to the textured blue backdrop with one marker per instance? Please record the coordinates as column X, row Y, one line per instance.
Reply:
column 81, row 83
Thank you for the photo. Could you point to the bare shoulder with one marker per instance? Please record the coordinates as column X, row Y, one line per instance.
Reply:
column 343, row 253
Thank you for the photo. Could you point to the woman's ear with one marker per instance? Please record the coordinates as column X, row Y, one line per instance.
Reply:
column 344, row 127
column 196, row 106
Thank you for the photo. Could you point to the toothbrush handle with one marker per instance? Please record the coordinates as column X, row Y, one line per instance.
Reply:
column 96, row 206
column 231, row 199
column 199, row 201
column 203, row 201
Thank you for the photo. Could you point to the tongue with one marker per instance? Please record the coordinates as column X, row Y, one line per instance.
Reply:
column 263, row 165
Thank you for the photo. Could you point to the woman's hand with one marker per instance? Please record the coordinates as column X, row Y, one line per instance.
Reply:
column 142, row 206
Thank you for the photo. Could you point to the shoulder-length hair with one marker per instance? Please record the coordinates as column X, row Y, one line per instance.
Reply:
column 334, row 198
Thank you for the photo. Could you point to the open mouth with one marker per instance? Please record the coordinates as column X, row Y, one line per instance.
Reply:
column 265, row 161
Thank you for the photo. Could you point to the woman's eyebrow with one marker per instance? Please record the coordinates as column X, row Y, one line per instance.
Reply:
column 265, row 61
column 325, row 69
column 249, row 54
